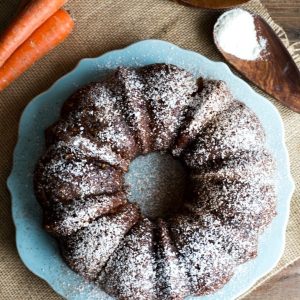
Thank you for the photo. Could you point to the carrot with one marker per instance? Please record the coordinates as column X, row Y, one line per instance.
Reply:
column 44, row 39
column 32, row 16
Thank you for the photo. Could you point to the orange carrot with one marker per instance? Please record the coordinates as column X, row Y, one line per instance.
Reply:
column 32, row 16
column 44, row 39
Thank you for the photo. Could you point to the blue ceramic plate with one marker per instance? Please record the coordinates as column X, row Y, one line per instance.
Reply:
column 40, row 252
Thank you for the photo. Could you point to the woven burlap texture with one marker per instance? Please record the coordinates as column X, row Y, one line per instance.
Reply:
column 102, row 26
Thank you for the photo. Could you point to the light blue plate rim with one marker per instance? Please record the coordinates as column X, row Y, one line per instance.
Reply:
column 272, row 242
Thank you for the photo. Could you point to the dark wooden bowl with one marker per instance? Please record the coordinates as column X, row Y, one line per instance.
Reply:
column 212, row 4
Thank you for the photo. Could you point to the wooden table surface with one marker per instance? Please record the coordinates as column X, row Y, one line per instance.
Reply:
column 286, row 284
column 286, row 13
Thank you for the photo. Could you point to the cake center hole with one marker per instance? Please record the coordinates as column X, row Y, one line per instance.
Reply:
column 157, row 183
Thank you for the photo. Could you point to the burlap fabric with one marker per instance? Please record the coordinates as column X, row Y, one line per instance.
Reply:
column 100, row 27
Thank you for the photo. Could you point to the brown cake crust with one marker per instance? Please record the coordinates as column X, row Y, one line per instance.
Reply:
column 135, row 259
column 172, row 279
column 63, row 219
column 80, row 183
column 88, row 249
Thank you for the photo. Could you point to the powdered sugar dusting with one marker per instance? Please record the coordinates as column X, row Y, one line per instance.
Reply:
column 234, row 131
column 87, row 250
column 172, row 280
column 246, row 204
column 67, row 218
column 80, row 183
column 212, row 98
column 66, row 174
column 200, row 246
column 130, row 272
column 103, row 153
column 169, row 90
column 134, row 105
column 255, row 166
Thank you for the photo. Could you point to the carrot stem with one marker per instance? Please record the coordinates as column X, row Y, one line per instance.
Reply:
column 32, row 16
column 44, row 39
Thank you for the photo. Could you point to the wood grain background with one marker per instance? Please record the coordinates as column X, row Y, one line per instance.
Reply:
column 286, row 284
column 287, row 14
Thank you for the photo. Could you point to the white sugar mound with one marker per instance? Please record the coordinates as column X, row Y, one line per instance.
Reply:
column 236, row 34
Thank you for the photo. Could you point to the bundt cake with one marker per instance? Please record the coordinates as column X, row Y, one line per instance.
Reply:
column 229, row 200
